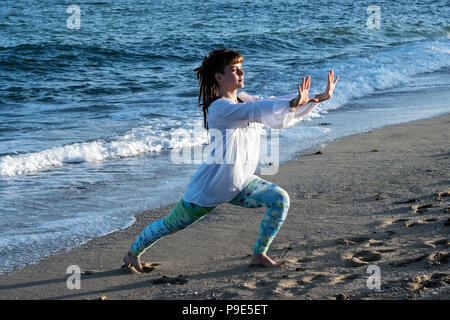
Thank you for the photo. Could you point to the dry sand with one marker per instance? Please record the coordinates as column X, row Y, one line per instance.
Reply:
column 379, row 198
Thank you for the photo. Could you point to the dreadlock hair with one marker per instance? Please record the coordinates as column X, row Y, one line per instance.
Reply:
column 209, row 88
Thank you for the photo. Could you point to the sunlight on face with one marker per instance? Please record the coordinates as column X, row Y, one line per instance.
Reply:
column 233, row 77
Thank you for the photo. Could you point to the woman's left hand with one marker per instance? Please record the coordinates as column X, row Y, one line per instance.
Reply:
column 328, row 93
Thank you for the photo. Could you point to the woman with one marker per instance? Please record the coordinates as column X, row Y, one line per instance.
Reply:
column 239, row 118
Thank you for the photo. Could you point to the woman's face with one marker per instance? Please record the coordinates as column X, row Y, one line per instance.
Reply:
column 232, row 79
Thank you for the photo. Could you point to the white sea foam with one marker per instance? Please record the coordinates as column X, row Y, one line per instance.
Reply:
column 142, row 140
column 443, row 50
column 386, row 68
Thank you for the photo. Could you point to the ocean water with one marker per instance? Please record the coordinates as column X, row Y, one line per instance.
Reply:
column 88, row 111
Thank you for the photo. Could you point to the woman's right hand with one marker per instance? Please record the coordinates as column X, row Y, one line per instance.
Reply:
column 303, row 94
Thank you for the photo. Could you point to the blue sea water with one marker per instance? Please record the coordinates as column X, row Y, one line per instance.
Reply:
column 87, row 114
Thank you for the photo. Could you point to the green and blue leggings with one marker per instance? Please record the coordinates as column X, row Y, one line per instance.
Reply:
column 259, row 193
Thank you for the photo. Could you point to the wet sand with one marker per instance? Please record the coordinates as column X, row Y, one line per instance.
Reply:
column 372, row 204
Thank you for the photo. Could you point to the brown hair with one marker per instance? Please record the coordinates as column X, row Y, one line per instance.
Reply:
column 214, row 62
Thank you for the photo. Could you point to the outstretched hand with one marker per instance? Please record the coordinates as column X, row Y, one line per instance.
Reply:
column 303, row 94
column 328, row 93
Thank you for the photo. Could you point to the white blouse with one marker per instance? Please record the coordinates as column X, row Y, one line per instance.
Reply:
column 235, row 130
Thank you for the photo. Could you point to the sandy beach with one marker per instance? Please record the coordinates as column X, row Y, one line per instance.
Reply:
column 372, row 204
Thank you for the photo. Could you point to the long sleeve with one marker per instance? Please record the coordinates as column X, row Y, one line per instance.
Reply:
column 305, row 109
column 280, row 117
column 224, row 113
column 302, row 110
column 273, row 112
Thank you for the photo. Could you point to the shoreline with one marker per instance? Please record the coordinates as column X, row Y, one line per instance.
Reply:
column 353, row 180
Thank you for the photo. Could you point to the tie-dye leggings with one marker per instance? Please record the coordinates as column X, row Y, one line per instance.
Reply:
column 257, row 194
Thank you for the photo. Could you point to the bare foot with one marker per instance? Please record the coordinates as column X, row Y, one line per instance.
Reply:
column 134, row 261
column 261, row 259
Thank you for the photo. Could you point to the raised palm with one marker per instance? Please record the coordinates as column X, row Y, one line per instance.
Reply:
column 328, row 93
column 303, row 92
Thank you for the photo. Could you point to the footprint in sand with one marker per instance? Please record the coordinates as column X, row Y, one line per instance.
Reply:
column 439, row 258
column 407, row 222
column 389, row 222
column 432, row 280
column 355, row 262
column 421, row 244
column 424, row 244
column 416, row 223
column 441, row 242
column 344, row 278
column 362, row 257
column 413, row 224
column 408, row 261
column 421, row 208
column 367, row 255
column 441, row 195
